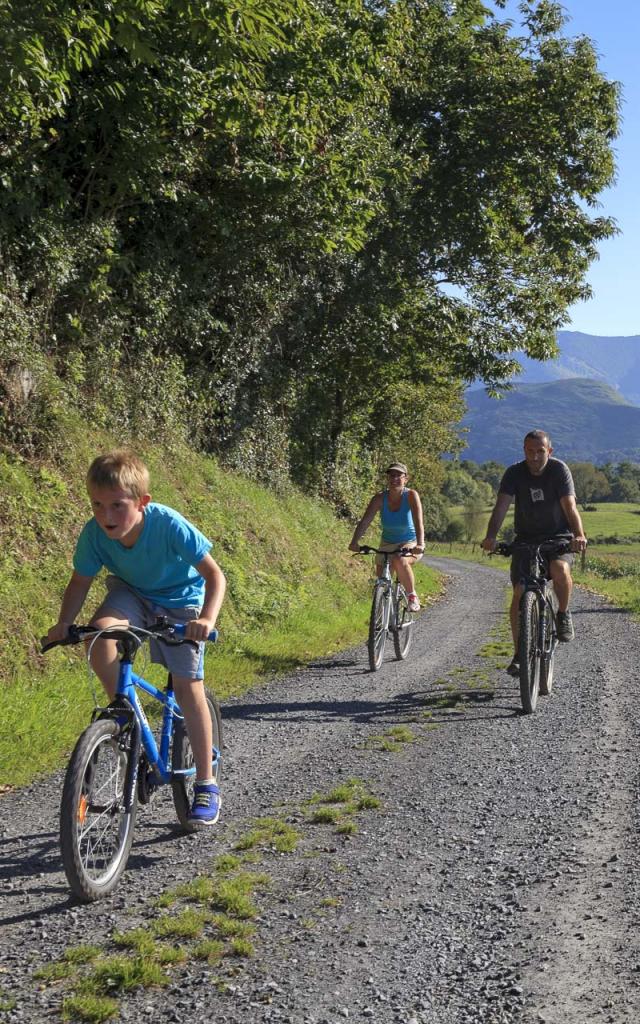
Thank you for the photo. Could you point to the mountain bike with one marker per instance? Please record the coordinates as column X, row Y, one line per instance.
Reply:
column 118, row 762
column 389, row 611
column 537, row 627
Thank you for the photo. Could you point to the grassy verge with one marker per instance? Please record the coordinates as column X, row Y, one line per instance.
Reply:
column 295, row 593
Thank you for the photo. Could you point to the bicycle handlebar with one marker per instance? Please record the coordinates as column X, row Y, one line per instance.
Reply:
column 169, row 632
column 558, row 547
column 405, row 552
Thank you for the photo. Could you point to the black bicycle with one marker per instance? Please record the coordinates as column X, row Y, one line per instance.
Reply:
column 537, row 625
column 389, row 611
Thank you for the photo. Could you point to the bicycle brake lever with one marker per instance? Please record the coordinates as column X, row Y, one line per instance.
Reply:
column 72, row 637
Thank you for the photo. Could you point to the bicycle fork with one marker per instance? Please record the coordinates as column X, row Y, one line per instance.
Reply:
column 387, row 601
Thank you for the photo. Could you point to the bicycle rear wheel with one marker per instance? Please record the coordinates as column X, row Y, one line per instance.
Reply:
column 182, row 758
column 96, row 831
column 529, row 652
column 403, row 629
column 377, row 628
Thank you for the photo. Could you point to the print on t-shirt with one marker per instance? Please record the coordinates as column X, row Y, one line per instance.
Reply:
column 537, row 494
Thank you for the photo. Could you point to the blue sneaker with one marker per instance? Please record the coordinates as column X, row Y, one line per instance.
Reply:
column 205, row 809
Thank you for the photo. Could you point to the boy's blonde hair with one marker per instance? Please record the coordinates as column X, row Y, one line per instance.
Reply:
column 119, row 468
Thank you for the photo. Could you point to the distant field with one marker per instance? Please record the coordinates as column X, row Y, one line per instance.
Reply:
column 610, row 520
column 612, row 570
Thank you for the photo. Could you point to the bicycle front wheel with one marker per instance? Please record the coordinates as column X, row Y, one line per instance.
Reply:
column 403, row 629
column 96, row 831
column 529, row 651
column 377, row 628
column 182, row 759
column 548, row 657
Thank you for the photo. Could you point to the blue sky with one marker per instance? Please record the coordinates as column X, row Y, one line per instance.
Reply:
column 614, row 27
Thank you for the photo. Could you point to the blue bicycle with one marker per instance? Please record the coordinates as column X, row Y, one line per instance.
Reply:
column 118, row 762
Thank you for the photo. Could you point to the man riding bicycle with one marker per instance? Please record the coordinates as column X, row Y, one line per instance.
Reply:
column 545, row 509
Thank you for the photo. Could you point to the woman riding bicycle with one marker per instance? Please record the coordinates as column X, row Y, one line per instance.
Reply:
column 400, row 511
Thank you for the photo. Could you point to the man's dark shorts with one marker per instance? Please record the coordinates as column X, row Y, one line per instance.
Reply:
column 520, row 564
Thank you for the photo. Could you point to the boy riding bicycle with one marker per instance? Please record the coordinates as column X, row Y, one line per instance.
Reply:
column 160, row 565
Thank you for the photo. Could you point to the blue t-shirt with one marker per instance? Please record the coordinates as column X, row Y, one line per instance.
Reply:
column 161, row 564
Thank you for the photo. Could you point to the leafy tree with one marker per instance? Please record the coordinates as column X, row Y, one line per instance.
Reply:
column 474, row 517
column 292, row 229
column 455, row 531
column 625, row 485
column 459, row 486
column 590, row 483
column 491, row 472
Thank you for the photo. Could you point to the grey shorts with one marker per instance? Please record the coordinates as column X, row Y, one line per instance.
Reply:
column 520, row 564
column 185, row 660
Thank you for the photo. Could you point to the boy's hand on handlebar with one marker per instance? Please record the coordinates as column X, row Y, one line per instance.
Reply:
column 579, row 543
column 198, row 629
column 354, row 546
column 58, row 632
column 488, row 544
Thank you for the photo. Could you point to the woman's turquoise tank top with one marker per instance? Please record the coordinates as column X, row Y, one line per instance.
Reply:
column 397, row 527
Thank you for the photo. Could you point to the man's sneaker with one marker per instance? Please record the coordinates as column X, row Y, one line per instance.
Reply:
column 565, row 627
column 513, row 668
column 414, row 602
column 205, row 809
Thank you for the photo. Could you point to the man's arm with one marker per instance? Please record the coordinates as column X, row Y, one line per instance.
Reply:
column 570, row 509
column 374, row 506
column 214, row 591
column 497, row 518
column 72, row 601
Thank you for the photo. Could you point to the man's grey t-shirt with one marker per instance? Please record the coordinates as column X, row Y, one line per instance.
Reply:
column 538, row 512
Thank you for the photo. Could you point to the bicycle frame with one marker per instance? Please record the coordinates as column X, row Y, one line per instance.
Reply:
column 126, row 700
column 385, row 583
column 157, row 756
column 539, row 582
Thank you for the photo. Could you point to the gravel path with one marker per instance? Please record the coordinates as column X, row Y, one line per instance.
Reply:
column 497, row 882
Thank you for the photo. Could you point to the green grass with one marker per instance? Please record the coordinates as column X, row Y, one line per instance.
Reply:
column 295, row 593
column 611, row 519
column 89, row 1008
column 115, row 974
column 213, row 921
column 189, row 924
column 94, row 980
column 612, row 570
column 392, row 740
column 340, row 804
column 270, row 832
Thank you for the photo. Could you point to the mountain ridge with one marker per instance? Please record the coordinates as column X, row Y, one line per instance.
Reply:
column 588, row 421
column 612, row 360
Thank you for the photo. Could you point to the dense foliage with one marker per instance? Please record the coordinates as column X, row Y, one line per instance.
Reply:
column 288, row 230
